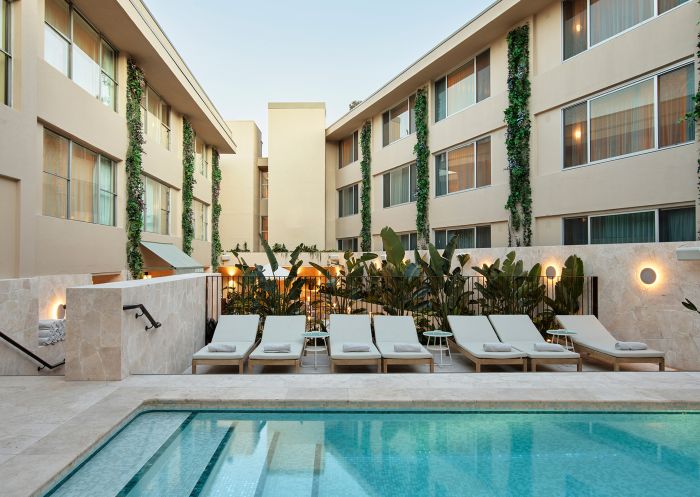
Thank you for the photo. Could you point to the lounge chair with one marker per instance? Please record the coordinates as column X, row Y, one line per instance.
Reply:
column 470, row 333
column 392, row 330
column 519, row 331
column 352, row 329
column 280, row 330
column 592, row 339
column 239, row 331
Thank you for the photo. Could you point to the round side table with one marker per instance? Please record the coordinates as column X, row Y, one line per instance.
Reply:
column 565, row 336
column 315, row 348
column 439, row 344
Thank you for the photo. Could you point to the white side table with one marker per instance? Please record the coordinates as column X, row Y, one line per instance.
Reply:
column 315, row 348
column 565, row 336
column 441, row 345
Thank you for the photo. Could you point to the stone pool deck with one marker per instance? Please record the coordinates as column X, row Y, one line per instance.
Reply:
column 47, row 423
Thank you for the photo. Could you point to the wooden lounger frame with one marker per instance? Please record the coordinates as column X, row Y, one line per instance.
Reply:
column 557, row 360
column 479, row 361
column 273, row 362
column 356, row 362
column 616, row 361
column 224, row 362
column 407, row 362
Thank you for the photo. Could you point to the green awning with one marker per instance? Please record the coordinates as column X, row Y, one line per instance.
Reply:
column 169, row 257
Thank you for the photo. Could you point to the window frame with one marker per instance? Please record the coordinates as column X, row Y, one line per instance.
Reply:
column 144, row 115
column 264, row 185
column 355, row 137
column 353, row 241
column 168, row 210
column 103, row 40
column 474, row 228
column 411, row 119
column 446, row 152
column 476, row 89
column 395, row 169
column 8, row 53
column 655, row 15
column 654, row 77
column 204, row 220
column 264, row 233
column 356, row 206
column 97, row 186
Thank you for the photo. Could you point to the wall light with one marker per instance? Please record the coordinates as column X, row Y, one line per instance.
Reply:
column 577, row 134
column 578, row 28
column 551, row 272
column 648, row 276
column 61, row 311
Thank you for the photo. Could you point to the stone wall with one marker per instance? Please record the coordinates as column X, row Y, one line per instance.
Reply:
column 105, row 342
column 23, row 302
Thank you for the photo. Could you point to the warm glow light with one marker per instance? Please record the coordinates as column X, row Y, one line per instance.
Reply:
column 577, row 134
column 648, row 275
column 578, row 28
column 552, row 269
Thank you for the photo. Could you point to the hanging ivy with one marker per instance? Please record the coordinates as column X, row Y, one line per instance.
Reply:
column 134, row 185
column 366, row 200
column 517, row 118
column 215, row 210
column 187, row 187
column 422, row 152
column 695, row 116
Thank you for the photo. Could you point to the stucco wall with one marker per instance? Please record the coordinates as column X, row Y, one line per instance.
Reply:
column 105, row 342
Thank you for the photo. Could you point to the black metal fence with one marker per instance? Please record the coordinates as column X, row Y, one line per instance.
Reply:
column 429, row 301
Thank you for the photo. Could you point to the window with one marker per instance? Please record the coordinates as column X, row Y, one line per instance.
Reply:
column 201, row 220
column 264, row 184
column 348, row 201
column 78, row 184
column 201, row 159
column 463, row 168
column 263, row 227
column 663, row 225
column 409, row 241
column 345, row 244
column 156, row 201
column 463, row 87
column 589, row 22
column 623, row 121
column 76, row 49
column 400, row 186
column 400, row 121
column 349, row 150
column 477, row 237
column 155, row 116
column 5, row 55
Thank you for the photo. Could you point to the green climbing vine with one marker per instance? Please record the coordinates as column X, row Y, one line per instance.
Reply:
column 215, row 209
column 695, row 116
column 422, row 152
column 517, row 118
column 188, row 182
column 134, row 157
column 366, row 200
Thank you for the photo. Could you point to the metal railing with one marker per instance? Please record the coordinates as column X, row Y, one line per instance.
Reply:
column 145, row 313
column 31, row 354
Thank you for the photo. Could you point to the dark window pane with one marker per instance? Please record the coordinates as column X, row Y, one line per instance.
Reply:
column 413, row 182
column 576, row 135
column 440, row 239
column 385, row 129
column 441, row 174
column 440, row 99
column 575, row 27
column 355, row 199
column 483, row 76
column 356, row 146
column 483, row 162
column 576, row 231
column 677, row 225
column 340, row 203
column 387, row 190
column 412, row 114
column 340, row 245
column 635, row 227
column 465, row 238
column 676, row 90
column 483, row 237
column 665, row 5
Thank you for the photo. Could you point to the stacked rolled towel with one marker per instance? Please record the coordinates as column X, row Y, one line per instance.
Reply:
column 51, row 331
column 497, row 347
column 355, row 347
column 548, row 347
column 221, row 347
column 407, row 347
column 631, row 346
column 277, row 347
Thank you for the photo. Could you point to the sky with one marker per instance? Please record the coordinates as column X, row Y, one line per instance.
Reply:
column 246, row 54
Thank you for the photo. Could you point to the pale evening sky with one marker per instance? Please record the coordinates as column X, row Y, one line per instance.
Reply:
column 246, row 54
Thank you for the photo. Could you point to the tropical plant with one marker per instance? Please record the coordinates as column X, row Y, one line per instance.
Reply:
column 569, row 289
column 400, row 280
column 134, row 158
column 509, row 288
column 445, row 289
column 366, row 197
column 216, row 249
column 422, row 153
column 188, row 183
column 690, row 306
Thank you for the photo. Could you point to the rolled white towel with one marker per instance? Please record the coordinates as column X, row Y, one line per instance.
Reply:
column 45, row 333
column 497, row 347
column 407, row 347
column 355, row 347
column 631, row 346
column 548, row 347
column 48, row 324
column 221, row 347
column 277, row 347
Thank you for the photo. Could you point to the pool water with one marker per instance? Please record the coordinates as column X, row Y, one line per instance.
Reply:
column 520, row 454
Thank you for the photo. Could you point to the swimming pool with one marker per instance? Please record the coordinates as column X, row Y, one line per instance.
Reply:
column 350, row 453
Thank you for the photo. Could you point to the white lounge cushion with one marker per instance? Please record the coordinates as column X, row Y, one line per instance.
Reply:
column 240, row 328
column 351, row 329
column 407, row 347
column 242, row 349
column 388, row 352
column 631, row 346
column 221, row 347
column 497, row 347
column 548, row 347
column 356, row 347
column 471, row 332
column 515, row 328
column 529, row 349
column 282, row 329
column 277, row 347
column 294, row 353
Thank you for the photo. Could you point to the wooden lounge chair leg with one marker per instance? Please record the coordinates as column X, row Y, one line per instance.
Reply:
column 579, row 365
column 194, row 367
column 477, row 366
column 524, row 365
column 241, row 365
column 533, row 366
column 662, row 364
column 432, row 366
column 385, row 367
column 296, row 367
column 616, row 366
column 332, row 366
column 250, row 367
column 379, row 365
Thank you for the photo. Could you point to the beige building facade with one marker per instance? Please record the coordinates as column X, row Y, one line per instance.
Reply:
column 612, row 160
column 63, row 137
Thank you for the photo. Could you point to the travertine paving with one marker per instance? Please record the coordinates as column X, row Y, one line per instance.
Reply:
column 46, row 423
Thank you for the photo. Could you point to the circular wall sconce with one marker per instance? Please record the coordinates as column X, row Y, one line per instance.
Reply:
column 61, row 311
column 648, row 276
column 551, row 272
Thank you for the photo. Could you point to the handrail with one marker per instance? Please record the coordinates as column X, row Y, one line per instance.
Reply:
column 144, row 312
column 31, row 354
